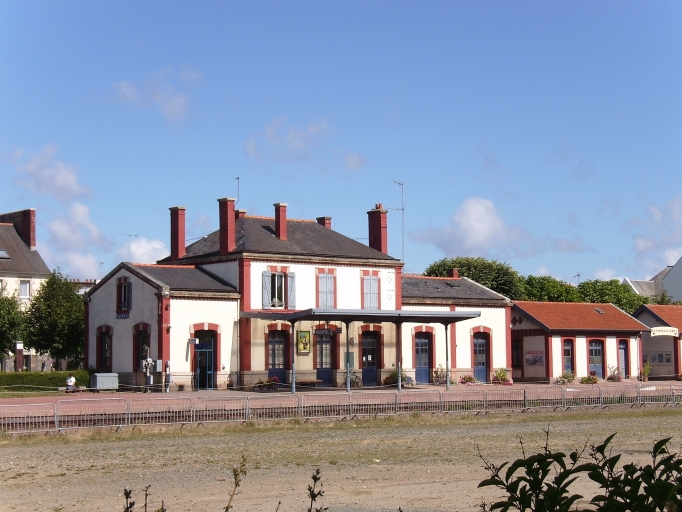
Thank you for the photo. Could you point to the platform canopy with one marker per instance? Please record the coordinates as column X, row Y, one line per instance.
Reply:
column 366, row 315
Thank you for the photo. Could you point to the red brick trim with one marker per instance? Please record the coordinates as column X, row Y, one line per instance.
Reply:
column 488, row 346
column 572, row 339
column 136, row 343
column 380, row 342
column 245, row 289
column 363, row 274
column 399, row 288
column 98, row 349
column 676, row 355
column 627, row 356
column 549, row 359
column 163, row 329
column 432, row 345
column 245, row 344
column 603, row 354
column 507, row 328
column 336, row 345
column 217, row 359
column 453, row 341
column 287, row 343
column 86, row 352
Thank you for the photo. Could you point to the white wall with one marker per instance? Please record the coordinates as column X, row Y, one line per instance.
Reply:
column 348, row 281
column 103, row 312
column 672, row 282
column 11, row 286
column 184, row 313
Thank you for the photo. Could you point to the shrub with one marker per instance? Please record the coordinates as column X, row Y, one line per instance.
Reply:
column 468, row 380
column 614, row 374
column 500, row 377
column 439, row 375
column 392, row 378
column 541, row 482
column 590, row 379
column 564, row 378
column 36, row 381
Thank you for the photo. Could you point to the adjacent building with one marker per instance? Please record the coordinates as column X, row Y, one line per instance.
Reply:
column 661, row 346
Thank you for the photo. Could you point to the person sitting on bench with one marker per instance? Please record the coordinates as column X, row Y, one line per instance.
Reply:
column 70, row 383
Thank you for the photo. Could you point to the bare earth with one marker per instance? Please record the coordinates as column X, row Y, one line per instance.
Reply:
column 420, row 463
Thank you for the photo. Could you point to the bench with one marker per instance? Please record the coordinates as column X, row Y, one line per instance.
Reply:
column 309, row 383
column 265, row 386
column 77, row 389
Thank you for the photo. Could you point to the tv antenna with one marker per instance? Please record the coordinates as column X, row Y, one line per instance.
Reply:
column 129, row 237
column 578, row 276
column 237, row 178
column 402, row 211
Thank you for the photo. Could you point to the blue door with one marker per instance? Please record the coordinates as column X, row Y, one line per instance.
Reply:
column 596, row 359
column 422, row 365
column 480, row 360
column 369, row 359
column 276, row 356
column 324, row 358
column 623, row 358
column 203, row 361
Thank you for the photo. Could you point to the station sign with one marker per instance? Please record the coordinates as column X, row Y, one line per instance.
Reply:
column 665, row 331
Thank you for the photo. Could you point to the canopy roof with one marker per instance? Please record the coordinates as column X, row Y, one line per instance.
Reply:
column 366, row 315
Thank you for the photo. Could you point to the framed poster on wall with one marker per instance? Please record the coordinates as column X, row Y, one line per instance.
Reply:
column 535, row 358
column 303, row 342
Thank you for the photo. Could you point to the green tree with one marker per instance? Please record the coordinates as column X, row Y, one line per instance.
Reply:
column 549, row 289
column 12, row 319
column 55, row 322
column 499, row 277
column 611, row 291
column 664, row 299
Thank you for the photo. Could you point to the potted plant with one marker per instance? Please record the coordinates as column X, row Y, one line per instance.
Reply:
column 500, row 377
column 614, row 374
column 564, row 378
column 646, row 370
column 468, row 380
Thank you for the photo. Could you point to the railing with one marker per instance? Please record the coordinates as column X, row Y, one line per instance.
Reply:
column 119, row 413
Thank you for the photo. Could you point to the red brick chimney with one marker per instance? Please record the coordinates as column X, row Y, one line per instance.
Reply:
column 325, row 221
column 378, row 228
column 25, row 223
column 454, row 273
column 228, row 240
column 239, row 214
column 177, row 214
column 281, row 220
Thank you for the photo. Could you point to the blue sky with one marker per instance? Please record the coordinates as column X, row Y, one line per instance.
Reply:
column 544, row 134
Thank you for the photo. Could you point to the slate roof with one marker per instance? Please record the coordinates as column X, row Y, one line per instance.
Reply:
column 644, row 288
column 448, row 290
column 184, row 278
column 580, row 316
column 658, row 279
column 668, row 314
column 304, row 238
column 22, row 260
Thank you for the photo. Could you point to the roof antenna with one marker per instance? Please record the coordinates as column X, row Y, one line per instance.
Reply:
column 237, row 178
column 578, row 276
column 402, row 210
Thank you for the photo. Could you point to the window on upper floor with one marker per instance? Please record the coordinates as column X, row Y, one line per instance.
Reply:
column 370, row 291
column 24, row 289
column 124, row 294
column 279, row 290
column 325, row 290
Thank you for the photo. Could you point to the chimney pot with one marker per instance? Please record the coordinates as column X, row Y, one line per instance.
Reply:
column 281, row 220
column 239, row 214
column 177, row 214
column 325, row 221
column 228, row 240
column 454, row 273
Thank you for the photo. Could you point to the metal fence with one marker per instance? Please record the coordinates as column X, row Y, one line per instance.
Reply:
column 119, row 413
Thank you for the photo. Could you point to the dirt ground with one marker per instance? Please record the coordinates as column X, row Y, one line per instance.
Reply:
column 420, row 463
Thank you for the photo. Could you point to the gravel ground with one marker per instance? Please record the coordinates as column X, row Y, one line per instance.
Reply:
column 420, row 463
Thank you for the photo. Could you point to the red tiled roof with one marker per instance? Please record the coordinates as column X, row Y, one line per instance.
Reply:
column 671, row 315
column 580, row 316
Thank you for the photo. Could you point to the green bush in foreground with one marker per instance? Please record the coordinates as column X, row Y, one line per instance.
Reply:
column 541, row 482
column 29, row 381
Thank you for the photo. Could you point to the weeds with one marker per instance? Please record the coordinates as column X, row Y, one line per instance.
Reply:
column 237, row 473
column 314, row 493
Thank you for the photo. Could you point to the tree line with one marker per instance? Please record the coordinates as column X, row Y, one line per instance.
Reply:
column 502, row 278
column 52, row 323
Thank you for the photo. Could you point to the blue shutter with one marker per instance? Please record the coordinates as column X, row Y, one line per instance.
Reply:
column 330, row 290
column 291, row 290
column 267, row 297
column 129, row 297
column 367, row 292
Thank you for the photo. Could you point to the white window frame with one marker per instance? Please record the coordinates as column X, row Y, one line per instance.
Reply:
column 279, row 290
column 371, row 292
column 27, row 284
column 325, row 285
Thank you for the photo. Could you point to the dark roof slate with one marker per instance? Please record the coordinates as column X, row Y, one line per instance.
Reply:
column 22, row 260
column 304, row 238
column 448, row 290
column 185, row 278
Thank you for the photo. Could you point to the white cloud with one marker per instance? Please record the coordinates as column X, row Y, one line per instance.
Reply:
column 76, row 232
column 605, row 274
column 354, row 161
column 143, row 250
column 660, row 241
column 477, row 229
column 541, row 271
column 160, row 91
column 43, row 174
column 285, row 142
